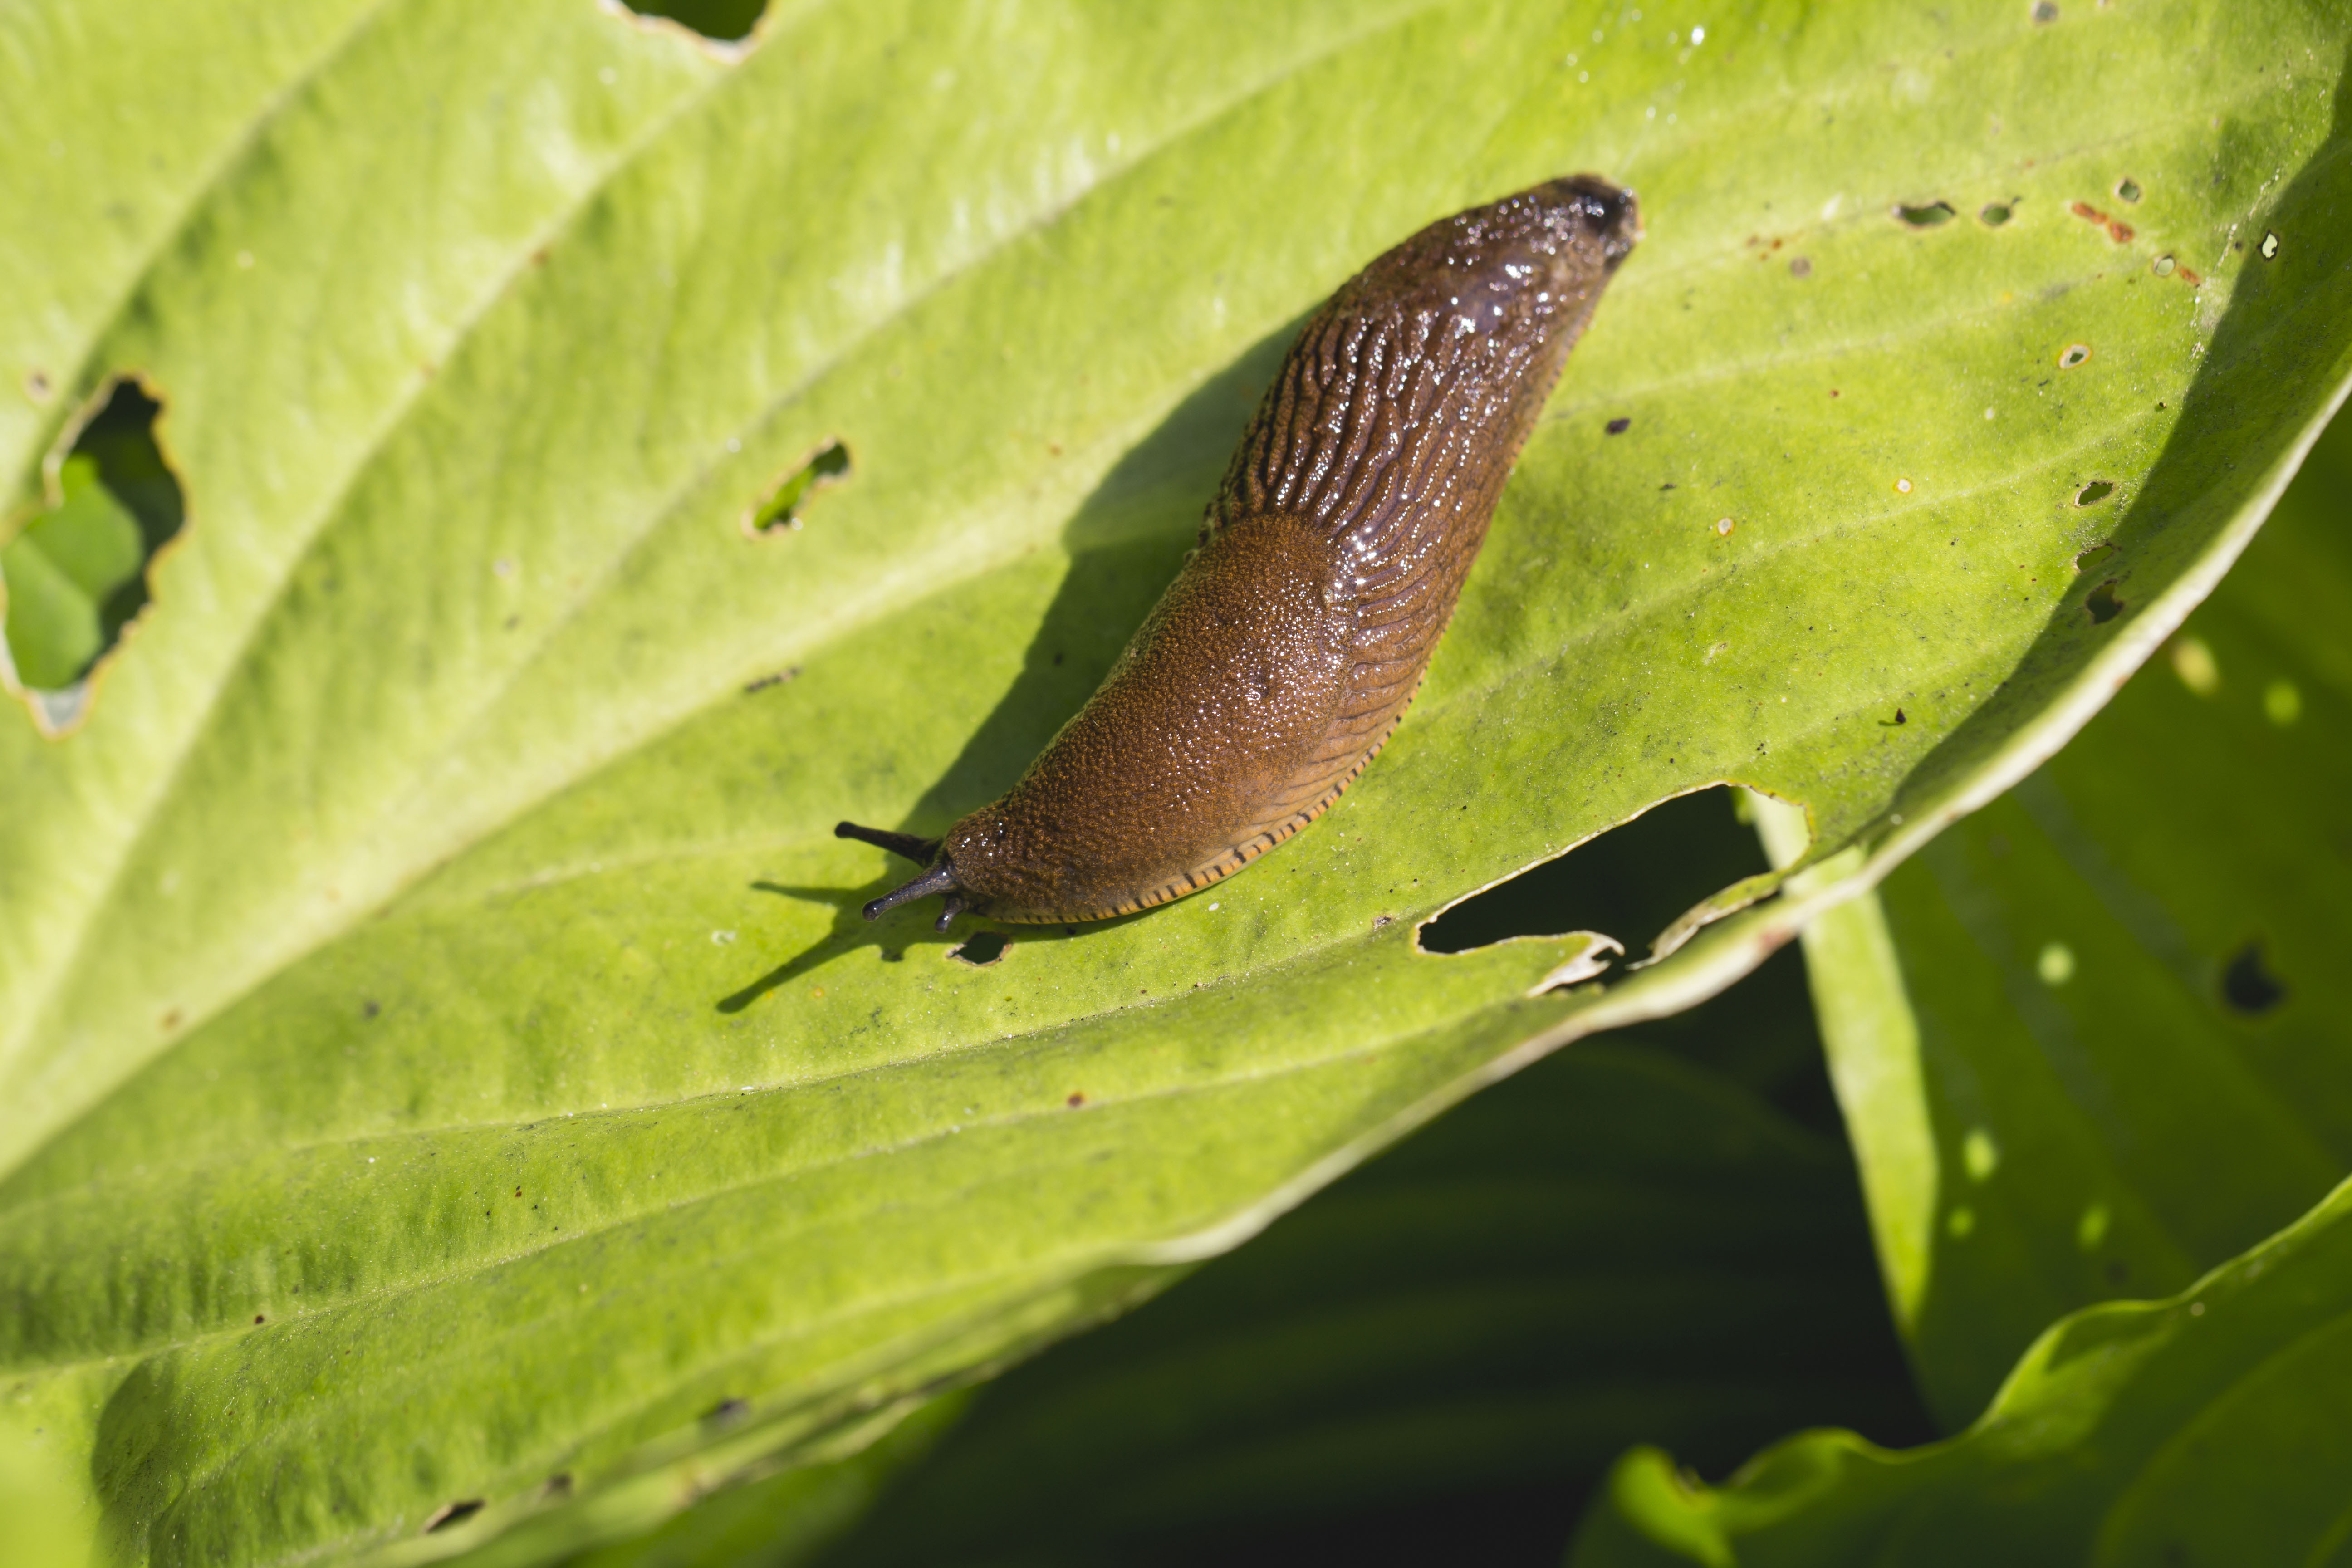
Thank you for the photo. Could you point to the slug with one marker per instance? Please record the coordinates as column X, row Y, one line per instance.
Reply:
column 1279, row 661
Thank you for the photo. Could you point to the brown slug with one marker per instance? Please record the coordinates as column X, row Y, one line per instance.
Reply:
column 1280, row 660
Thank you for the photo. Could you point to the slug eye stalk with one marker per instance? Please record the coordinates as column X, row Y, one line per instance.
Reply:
column 939, row 879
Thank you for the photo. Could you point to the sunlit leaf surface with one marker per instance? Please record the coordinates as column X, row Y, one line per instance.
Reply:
column 442, row 1061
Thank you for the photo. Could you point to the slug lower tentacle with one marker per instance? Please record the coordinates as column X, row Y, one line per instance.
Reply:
column 1281, row 658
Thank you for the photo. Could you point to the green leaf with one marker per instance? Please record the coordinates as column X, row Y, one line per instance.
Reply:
column 442, row 1058
column 60, row 572
column 2206, row 1429
column 1441, row 1354
column 2097, row 1043
column 75, row 577
column 1438, row 1356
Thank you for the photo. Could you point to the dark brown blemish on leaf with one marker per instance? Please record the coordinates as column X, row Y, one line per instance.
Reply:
column 1618, row 427
column 2248, row 985
column 2118, row 230
column 1074, row 1101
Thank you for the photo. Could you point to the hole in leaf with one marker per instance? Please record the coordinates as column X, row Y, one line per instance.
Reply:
column 2103, row 605
column 1637, row 879
column 981, row 949
column 2247, row 984
column 1929, row 217
column 1992, row 214
column 2162, row 266
column 725, row 21
column 2093, row 493
column 2074, row 355
column 2270, row 247
column 76, row 574
column 2127, row 189
column 829, row 465
column 2044, row 12
column 450, row 1513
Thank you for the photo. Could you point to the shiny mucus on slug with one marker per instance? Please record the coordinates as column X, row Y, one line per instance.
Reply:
column 1282, row 657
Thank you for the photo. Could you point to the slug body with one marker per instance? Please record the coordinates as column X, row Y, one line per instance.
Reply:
column 1279, row 661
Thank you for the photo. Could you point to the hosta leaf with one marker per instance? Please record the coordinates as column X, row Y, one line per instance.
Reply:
column 442, row 1060
column 1437, row 1358
column 2113, row 1000
column 2206, row 1429
column 1657, row 1238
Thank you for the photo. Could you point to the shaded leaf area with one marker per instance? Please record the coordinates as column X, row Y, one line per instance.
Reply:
column 443, row 1059
column 76, row 575
column 1434, row 1360
column 727, row 21
column 1439, row 1357
column 2129, row 1022
column 2207, row 1428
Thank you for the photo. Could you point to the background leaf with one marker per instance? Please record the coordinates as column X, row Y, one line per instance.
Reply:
column 2112, row 1095
column 2205, row 1428
column 2114, row 998
column 443, row 1063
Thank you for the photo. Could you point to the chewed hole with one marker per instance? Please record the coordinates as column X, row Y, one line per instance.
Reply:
column 2073, row 356
column 2044, row 12
column 450, row 1513
column 981, row 949
column 2247, row 984
column 2102, row 605
column 76, row 575
column 2127, row 189
column 2093, row 493
column 793, row 491
column 1631, row 881
column 1992, row 214
column 2162, row 266
column 1929, row 217
column 2270, row 246
column 726, row 21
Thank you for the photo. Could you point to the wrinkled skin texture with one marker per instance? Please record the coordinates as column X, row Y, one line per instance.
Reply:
column 1281, row 658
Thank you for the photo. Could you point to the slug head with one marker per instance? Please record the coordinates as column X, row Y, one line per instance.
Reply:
column 1519, row 267
column 940, row 878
